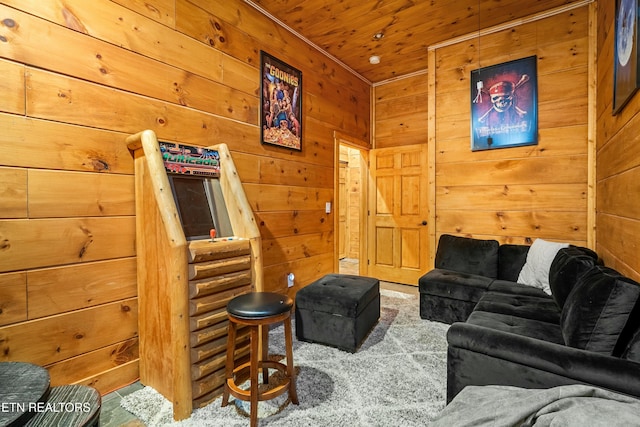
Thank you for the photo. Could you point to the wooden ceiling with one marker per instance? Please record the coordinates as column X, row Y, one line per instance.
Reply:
column 346, row 29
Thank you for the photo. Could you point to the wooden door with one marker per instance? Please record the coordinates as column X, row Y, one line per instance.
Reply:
column 397, row 214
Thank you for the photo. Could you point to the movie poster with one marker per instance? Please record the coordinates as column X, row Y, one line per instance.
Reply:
column 626, row 77
column 281, row 99
column 504, row 107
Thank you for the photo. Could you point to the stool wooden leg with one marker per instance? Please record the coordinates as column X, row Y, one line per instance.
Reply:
column 293, row 394
column 265, row 352
column 254, row 375
column 231, row 349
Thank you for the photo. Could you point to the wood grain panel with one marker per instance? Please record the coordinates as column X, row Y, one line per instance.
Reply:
column 306, row 270
column 83, row 367
column 281, row 172
column 13, row 193
column 401, row 112
column 84, row 194
column 623, row 153
column 560, row 141
column 12, row 87
column 571, row 169
column 545, row 197
column 616, row 194
column 73, row 287
column 278, row 224
column 13, row 298
column 63, row 99
column 163, row 11
column 112, row 23
column 287, row 198
column 56, row 338
column 113, row 379
column 49, row 242
column 76, row 148
column 289, row 248
column 258, row 169
column 214, row 31
column 543, row 224
column 116, row 67
column 517, row 240
column 621, row 243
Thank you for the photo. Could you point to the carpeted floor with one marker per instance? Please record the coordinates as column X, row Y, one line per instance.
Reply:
column 397, row 378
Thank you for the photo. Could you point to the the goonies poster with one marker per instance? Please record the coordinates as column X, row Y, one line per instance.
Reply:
column 504, row 107
column 281, row 99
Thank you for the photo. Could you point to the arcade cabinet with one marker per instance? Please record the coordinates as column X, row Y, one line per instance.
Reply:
column 198, row 246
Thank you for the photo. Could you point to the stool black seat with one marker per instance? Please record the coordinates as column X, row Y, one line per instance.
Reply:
column 258, row 310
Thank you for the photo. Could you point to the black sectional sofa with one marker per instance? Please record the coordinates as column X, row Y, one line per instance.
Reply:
column 506, row 333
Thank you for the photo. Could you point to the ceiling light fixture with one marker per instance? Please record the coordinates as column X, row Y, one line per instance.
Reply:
column 374, row 59
column 378, row 36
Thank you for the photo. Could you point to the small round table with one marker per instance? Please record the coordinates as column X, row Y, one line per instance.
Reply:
column 22, row 386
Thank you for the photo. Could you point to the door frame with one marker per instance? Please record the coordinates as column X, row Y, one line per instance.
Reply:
column 362, row 146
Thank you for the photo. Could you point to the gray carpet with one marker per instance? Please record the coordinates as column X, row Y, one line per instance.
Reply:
column 397, row 378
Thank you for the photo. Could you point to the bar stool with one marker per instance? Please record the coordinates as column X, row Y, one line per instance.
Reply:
column 258, row 310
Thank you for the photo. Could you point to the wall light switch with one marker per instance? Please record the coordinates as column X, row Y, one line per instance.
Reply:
column 327, row 207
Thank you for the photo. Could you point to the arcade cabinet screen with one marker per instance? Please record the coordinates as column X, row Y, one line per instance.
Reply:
column 196, row 212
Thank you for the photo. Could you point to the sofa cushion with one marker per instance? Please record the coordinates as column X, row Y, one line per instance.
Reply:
column 597, row 311
column 541, row 308
column 535, row 271
column 511, row 259
column 506, row 287
column 467, row 255
column 568, row 265
column 517, row 325
column 454, row 285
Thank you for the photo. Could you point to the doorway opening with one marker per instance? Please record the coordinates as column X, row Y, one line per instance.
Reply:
column 351, row 208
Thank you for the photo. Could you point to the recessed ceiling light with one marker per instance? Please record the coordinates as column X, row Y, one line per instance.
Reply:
column 374, row 59
column 378, row 36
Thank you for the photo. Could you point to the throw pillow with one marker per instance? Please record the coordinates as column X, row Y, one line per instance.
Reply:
column 535, row 271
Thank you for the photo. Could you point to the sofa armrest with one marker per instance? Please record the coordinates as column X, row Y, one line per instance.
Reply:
column 481, row 356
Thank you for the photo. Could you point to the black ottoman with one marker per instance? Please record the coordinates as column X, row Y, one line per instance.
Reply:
column 338, row 310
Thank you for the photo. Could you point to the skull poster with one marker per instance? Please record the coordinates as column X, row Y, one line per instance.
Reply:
column 504, row 107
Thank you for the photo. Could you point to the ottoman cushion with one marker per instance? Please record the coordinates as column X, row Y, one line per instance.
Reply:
column 338, row 310
column 339, row 294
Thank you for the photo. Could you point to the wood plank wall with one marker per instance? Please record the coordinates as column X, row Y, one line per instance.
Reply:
column 81, row 76
column 618, row 161
column 400, row 116
column 513, row 195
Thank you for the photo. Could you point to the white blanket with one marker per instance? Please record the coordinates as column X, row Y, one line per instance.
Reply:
column 573, row 405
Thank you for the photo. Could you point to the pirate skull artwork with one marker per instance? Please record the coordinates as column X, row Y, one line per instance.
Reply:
column 501, row 95
column 506, row 120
